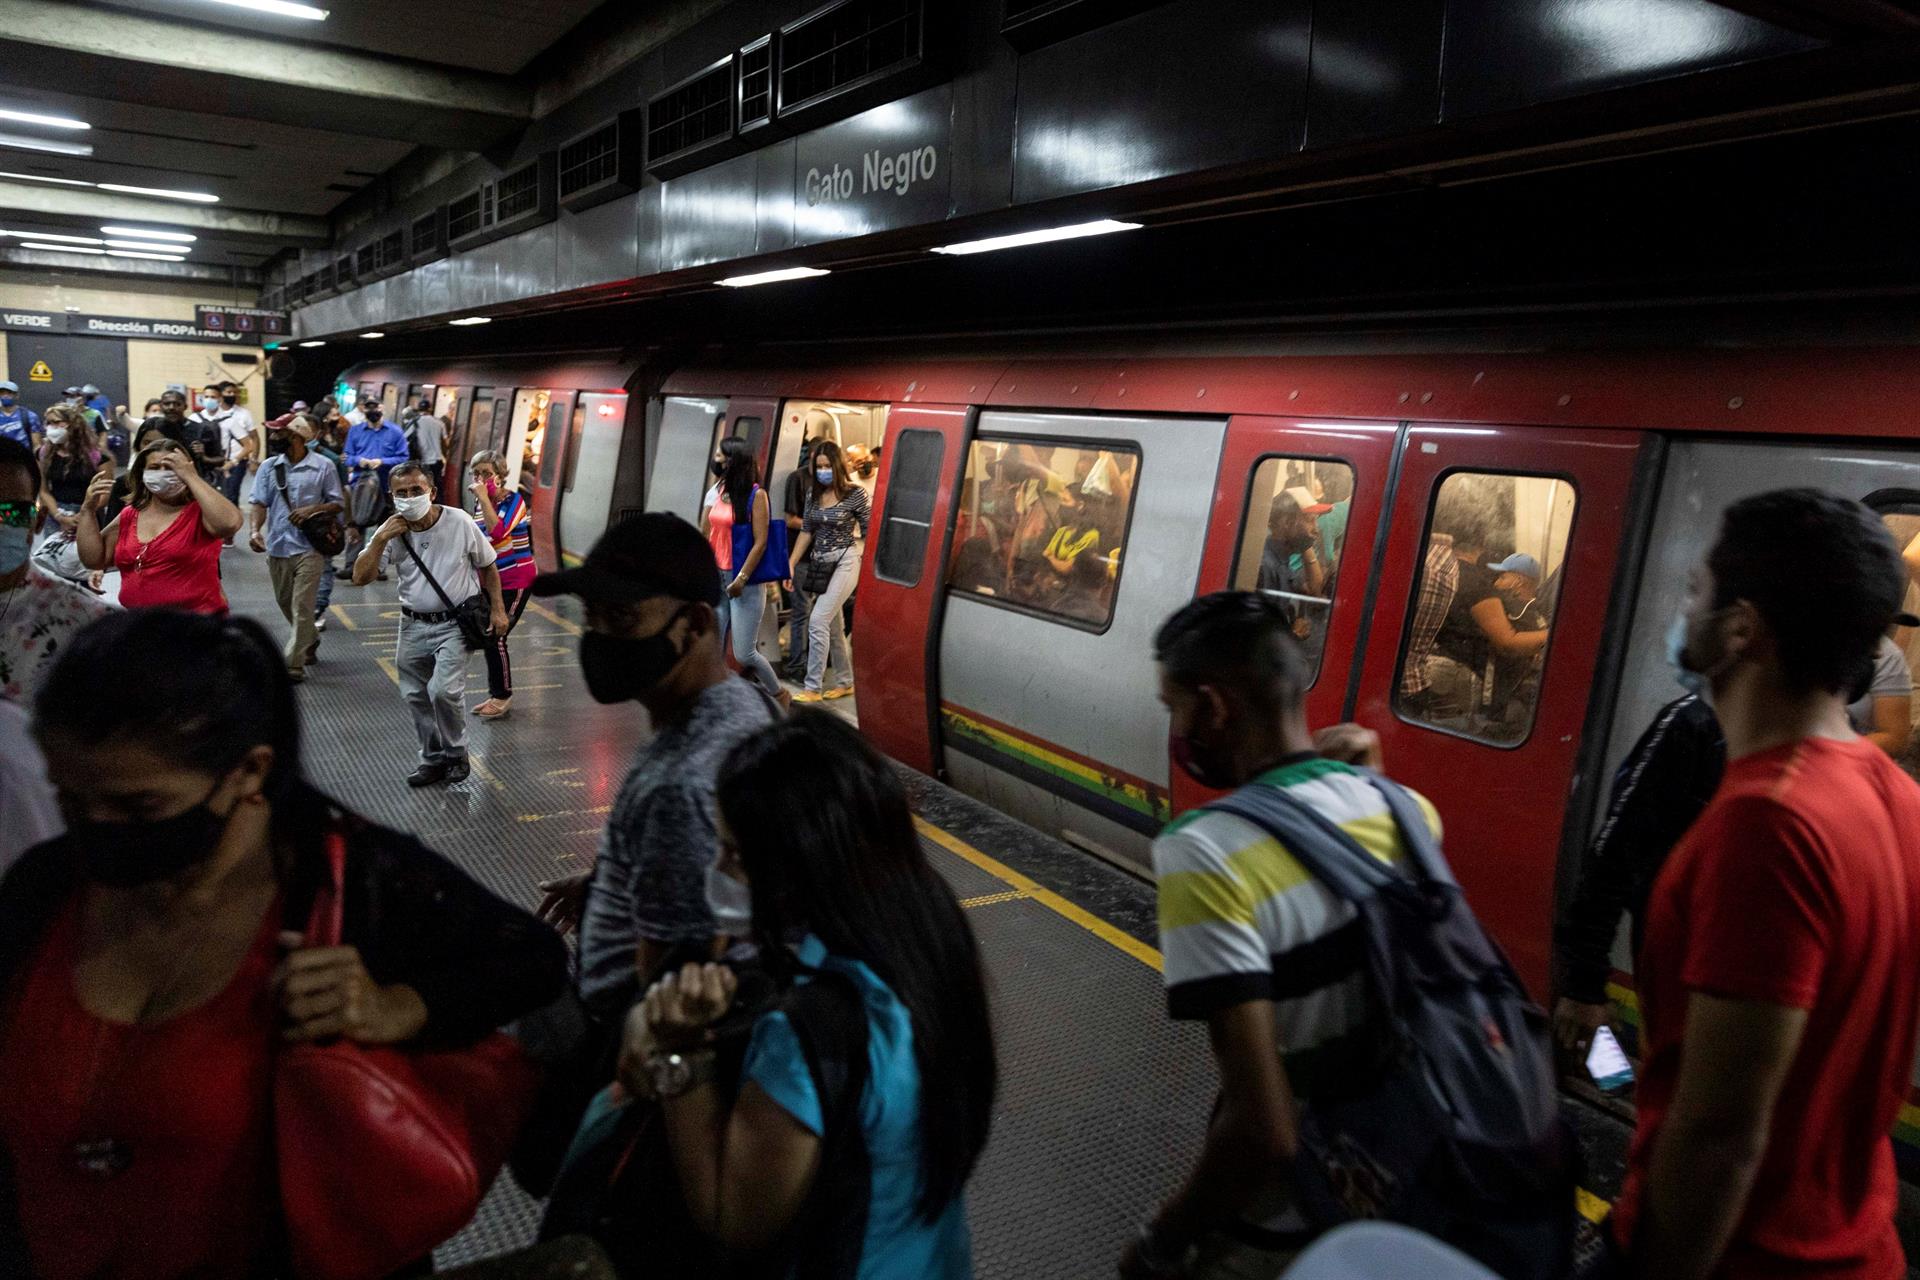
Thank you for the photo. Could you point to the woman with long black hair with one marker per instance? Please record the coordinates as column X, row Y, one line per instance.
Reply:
column 814, row 824
column 736, row 501
column 834, row 538
column 154, row 957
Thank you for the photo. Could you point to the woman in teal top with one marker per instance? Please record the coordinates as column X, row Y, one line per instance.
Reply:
column 815, row 825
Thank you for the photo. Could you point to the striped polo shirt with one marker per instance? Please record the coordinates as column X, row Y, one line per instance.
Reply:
column 1240, row 919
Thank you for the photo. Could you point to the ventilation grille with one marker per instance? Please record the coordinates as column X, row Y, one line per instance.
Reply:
column 1030, row 23
column 590, row 160
column 756, row 84
column 692, row 114
column 343, row 271
column 427, row 238
column 464, row 216
column 366, row 261
column 845, row 45
column 393, row 251
column 518, row 193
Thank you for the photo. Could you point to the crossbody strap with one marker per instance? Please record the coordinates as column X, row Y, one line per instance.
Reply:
column 407, row 539
column 280, row 474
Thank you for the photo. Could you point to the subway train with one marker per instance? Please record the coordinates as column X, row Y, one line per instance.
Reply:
column 1036, row 517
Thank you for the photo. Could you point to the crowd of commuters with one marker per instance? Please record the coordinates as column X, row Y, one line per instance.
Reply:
column 776, row 1053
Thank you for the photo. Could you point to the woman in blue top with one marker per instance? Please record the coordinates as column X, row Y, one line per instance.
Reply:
column 815, row 825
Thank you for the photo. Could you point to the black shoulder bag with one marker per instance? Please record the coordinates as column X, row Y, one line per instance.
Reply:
column 323, row 533
column 474, row 614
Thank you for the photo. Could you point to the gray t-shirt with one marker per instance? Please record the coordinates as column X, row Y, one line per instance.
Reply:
column 427, row 432
column 1891, row 679
column 650, row 881
column 454, row 549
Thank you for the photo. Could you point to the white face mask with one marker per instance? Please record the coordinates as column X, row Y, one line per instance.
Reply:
column 56, row 435
column 414, row 508
column 161, row 483
column 731, row 903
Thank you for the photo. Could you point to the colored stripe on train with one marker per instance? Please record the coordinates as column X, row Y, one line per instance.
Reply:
column 1132, row 802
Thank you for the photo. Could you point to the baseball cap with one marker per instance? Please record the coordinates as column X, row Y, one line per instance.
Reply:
column 1518, row 563
column 71, row 391
column 301, row 425
column 1304, row 497
column 89, row 390
column 652, row 554
column 301, row 406
column 9, row 385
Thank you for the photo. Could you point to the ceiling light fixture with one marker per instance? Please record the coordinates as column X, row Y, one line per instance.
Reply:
column 59, row 248
column 373, row 333
column 472, row 320
column 155, row 257
column 773, row 277
column 284, row 8
column 1077, row 231
column 49, row 122
column 40, row 177
column 150, row 246
column 49, row 235
column 315, row 343
column 142, row 233
column 22, row 142
column 165, row 193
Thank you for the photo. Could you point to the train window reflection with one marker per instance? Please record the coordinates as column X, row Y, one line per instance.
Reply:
column 912, row 491
column 1483, row 604
column 1292, row 540
column 1042, row 526
column 1884, row 714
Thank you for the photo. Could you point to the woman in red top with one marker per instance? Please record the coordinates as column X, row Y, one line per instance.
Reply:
column 151, row 959
column 167, row 542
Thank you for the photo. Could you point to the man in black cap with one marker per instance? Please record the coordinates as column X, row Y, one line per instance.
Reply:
column 652, row 592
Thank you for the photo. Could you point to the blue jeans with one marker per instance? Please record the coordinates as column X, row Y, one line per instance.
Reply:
column 325, row 597
column 740, row 622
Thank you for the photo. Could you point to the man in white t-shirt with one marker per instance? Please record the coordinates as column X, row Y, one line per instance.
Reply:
column 447, row 549
column 238, row 433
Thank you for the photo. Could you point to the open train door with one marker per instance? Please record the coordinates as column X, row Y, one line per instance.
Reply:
column 902, row 594
column 556, row 423
column 1490, row 730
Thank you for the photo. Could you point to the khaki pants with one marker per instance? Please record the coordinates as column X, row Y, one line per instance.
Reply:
column 296, row 582
column 431, row 659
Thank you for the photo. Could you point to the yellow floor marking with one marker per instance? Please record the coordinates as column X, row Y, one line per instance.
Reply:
column 393, row 672
column 988, row 899
column 346, row 619
column 559, row 773
column 1046, row 897
column 571, row 628
column 478, row 763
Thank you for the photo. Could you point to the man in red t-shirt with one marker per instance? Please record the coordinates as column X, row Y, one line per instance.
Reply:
column 1780, row 978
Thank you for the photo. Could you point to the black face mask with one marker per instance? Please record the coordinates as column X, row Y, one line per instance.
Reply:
column 125, row 854
column 623, row 668
column 719, row 466
column 276, row 444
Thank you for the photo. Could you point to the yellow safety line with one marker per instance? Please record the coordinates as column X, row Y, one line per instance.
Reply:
column 572, row 628
column 346, row 619
column 988, row 899
column 1046, row 897
column 1591, row 1206
column 393, row 672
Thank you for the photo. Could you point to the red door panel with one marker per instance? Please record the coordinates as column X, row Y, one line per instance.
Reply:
column 1503, row 805
column 897, row 615
column 1368, row 449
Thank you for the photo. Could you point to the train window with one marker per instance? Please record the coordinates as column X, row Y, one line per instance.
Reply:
column 369, row 391
column 1292, row 538
column 1886, row 711
column 446, row 406
column 908, row 520
column 550, row 457
column 480, row 429
column 1042, row 526
column 530, row 410
column 1483, row 604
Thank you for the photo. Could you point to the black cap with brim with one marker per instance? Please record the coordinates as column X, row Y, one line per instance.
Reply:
column 644, row 556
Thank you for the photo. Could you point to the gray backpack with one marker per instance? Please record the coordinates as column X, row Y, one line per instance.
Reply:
column 1457, row 1130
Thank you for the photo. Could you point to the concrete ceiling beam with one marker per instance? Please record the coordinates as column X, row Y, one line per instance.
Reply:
column 134, row 58
column 179, row 272
column 20, row 201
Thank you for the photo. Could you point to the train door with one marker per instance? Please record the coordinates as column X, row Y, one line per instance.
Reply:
column 1487, row 630
column 593, row 459
column 480, row 421
column 1076, row 534
column 753, row 420
column 525, row 430
column 390, row 401
column 1295, row 513
column 545, row 446
column 450, row 405
column 903, row 586
column 689, row 430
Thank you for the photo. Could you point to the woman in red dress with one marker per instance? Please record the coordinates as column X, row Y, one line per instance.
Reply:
column 166, row 542
column 152, row 960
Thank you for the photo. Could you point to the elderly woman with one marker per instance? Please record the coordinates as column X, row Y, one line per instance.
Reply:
column 166, row 542
column 506, row 519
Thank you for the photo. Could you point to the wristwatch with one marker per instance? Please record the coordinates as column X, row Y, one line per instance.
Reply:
column 673, row 1074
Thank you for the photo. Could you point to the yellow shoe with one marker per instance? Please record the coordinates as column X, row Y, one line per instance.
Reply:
column 844, row 691
column 808, row 695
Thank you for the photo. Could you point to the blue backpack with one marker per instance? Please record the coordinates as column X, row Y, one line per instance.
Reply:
column 1457, row 1131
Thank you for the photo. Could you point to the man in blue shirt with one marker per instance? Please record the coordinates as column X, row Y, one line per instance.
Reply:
column 17, row 422
column 97, row 401
column 289, row 490
column 373, row 447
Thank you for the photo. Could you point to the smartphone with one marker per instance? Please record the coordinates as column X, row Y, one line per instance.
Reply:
column 1607, row 1062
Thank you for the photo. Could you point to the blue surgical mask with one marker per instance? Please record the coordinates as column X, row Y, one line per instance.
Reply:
column 824, row 475
column 15, row 543
column 731, row 903
column 1698, row 683
column 8, row 401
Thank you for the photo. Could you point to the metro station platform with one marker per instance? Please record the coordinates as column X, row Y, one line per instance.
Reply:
column 1103, row 1100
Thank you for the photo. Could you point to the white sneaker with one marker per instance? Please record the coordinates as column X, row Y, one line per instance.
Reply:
column 320, row 623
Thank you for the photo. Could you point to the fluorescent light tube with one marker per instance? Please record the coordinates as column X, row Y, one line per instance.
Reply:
column 472, row 320
column 283, row 8
column 313, row 344
column 41, row 177
column 22, row 142
column 141, row 233
column 373, row 333
column 1075, row 232
column 49, row 122
column 772, row 277
column 165, row 193
column 149, row 246
column 59, row 248
column 156, row 257
column 48, row 235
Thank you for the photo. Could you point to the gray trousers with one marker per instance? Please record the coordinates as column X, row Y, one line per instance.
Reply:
column 432, row 662
column 296, row 585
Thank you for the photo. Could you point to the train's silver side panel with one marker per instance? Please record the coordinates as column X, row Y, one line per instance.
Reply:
column 680, row 473
column 1092, row 694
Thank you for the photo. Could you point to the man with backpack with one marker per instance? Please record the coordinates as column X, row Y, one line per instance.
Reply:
column 1293, row 915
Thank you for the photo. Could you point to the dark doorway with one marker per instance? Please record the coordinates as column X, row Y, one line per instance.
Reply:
column 72, row 361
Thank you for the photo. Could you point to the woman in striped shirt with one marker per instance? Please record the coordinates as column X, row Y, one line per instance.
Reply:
column 507, row 521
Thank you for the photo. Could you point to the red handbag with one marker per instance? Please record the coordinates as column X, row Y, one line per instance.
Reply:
column 385, row 1153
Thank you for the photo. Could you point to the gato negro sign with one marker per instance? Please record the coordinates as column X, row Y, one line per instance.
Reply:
column 895, row 173
column 881, row 170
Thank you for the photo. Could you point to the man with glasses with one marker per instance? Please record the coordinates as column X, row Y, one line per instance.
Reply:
column 38, row 612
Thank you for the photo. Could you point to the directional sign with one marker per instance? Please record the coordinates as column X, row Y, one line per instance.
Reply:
column 40, row 372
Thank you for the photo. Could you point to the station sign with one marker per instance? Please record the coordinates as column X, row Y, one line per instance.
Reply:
column 882, row 169
column 243, row 320
column 121, row 327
